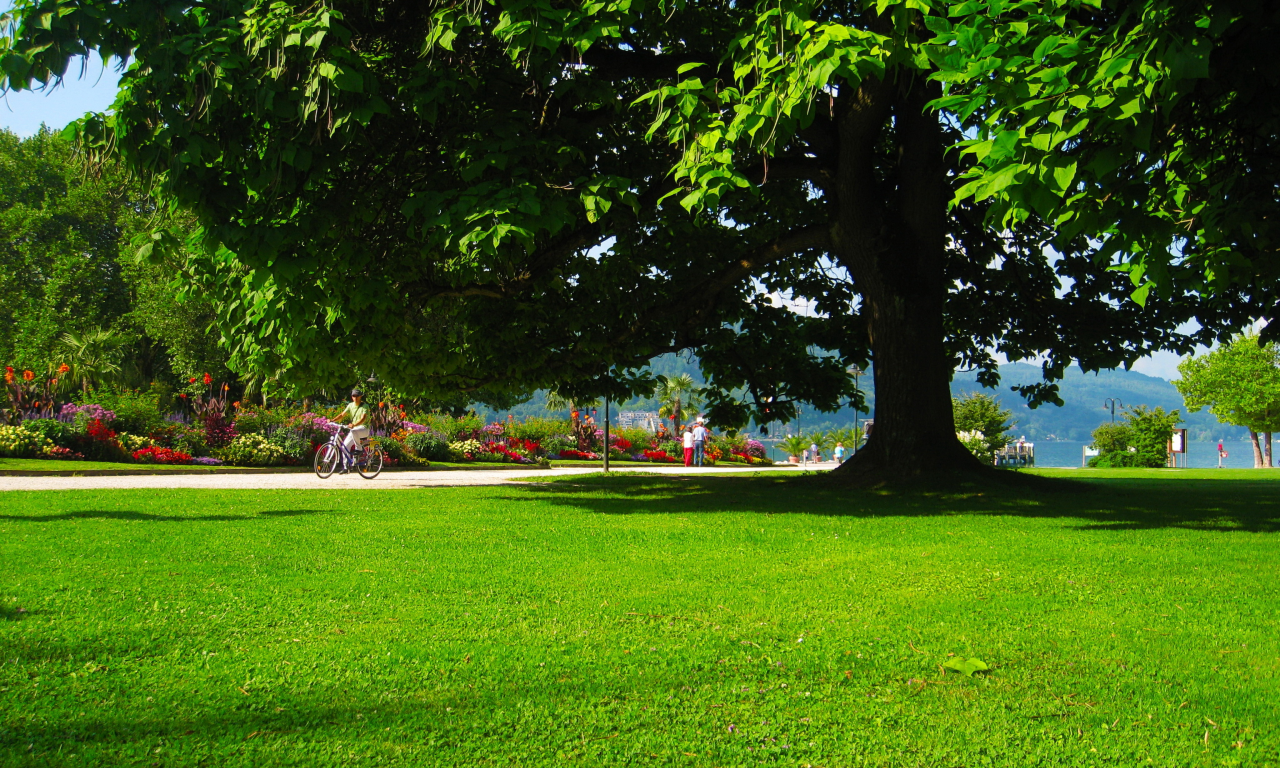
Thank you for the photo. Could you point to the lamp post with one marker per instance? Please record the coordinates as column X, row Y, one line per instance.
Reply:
column 856, row 371
column 1112, row 402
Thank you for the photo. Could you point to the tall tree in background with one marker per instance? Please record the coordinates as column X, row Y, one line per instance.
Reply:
column 470, row 194
column 1240, row 384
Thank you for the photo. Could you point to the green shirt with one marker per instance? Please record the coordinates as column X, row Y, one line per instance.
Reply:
column 357, row 413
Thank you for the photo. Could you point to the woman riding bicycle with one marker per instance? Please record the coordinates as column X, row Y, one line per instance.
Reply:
column 359, row 423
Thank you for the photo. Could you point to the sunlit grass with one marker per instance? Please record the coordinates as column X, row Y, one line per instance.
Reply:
column 643, row 621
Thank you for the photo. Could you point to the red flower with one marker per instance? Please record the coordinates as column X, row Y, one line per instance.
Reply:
column 28, row 375
column 208, row 379
column 382, row 405
column 193, row 380
column 63, row 368
column 183, row 395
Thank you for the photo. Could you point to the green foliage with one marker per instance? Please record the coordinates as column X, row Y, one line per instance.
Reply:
column 983, row 424
column 966, row 667
column 136, row 411
column 50, row 429
column 1141, row 441
column 1239, row 383
column 430, row 445
column 795, row 445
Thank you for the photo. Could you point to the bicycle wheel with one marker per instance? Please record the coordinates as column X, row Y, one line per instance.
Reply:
column 326, row 460
column 371, row 464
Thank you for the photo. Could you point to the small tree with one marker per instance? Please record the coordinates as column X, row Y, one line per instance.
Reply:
column 1142, row 441
column 981, row 424
column 676, row 393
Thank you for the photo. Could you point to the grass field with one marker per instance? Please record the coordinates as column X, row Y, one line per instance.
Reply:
column 645, row 621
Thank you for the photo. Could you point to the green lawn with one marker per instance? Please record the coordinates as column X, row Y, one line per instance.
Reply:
column 57, row 465
column 709, row 621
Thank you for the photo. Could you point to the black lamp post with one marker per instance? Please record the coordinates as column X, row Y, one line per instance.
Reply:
column 856, row 371
column 1112, row 402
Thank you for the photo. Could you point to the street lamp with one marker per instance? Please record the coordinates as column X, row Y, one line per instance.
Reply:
column 1112, row 402
column 856, row 371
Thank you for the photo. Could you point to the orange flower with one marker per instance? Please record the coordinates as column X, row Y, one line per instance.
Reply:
column 8, row 376
column 236, row 404
column 382, row 405
column 208, row 379
column 226, row 387
column 63, row 368
column 28, row 375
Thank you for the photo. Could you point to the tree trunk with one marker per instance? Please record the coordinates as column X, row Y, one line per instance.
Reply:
column 1266, row 444
column 896, row 252
column 1257, row 449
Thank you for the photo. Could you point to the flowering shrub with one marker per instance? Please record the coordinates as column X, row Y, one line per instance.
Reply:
column 22, row 443
column 571, row 453
column 218, row 432
column 756, row 449
column 493, row 430
column 296, row 444
column 253, row 450
column 58, row 452
column 99, row 431
column 134, row 443
column 658, row 456
column 157, row 455
column 465, row 450
column 207, row 461
column 84, row 413
column 621, row 443
column 502, row 452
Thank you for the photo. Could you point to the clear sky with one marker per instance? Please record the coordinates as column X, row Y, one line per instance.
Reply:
column 23, row 113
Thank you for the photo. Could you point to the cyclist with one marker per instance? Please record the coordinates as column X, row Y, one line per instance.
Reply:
column 359, row 424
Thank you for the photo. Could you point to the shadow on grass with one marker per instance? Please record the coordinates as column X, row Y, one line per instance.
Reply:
column 131, row 515
column 1103, row 504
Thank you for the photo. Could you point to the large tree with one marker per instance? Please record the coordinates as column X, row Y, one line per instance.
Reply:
column 1240, row 384
column 465, row 195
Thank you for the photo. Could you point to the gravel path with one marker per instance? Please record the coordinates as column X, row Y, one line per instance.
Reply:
column 310, row 481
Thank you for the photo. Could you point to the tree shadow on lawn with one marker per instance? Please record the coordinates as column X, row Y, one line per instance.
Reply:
column 1106, row 504
column 134, row 516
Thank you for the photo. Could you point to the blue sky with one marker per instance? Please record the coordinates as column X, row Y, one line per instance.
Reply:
column 23, row 113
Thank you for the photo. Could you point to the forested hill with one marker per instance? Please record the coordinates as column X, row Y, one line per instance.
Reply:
column 1084, row 395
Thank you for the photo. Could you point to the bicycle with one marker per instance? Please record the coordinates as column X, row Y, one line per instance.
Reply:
column 367, row 461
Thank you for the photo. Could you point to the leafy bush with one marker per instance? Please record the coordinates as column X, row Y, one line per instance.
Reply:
column 395, row 451
column 159, row 455
column 539, row 430
column 135, row 412
column 134, row 443
column 429, row 445
column 189, row 439
column 51, row 429
column 1142, row 441
column 262, row 420
column 295, row 443
column 253, row 451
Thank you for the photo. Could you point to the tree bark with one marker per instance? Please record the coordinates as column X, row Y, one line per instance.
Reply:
column 1257, row 449
column 891, row 236
column 1266, row 444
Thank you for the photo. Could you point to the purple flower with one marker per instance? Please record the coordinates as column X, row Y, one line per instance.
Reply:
column 207, row 461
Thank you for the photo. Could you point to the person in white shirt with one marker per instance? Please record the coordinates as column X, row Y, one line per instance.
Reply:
column 699, row 443
column 688, row 447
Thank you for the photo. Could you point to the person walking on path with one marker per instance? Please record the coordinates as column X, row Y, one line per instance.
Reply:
column 688, row 446
column 699, row 444
column 839, row 453
column 813, row 450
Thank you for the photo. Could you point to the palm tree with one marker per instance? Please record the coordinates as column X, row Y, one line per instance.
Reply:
column 852, row 437
column 92, row 355
column 795, row 445
column 675, row 394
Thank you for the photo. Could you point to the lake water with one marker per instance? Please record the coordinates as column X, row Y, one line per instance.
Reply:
column 1066, row 453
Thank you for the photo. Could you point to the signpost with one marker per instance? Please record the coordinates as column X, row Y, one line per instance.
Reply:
column 1178, row 445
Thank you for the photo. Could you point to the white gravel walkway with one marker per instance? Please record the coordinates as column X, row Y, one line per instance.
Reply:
column 310, row 481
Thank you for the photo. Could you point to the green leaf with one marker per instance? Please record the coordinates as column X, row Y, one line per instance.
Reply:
column 1063, row 176
column 966, row 667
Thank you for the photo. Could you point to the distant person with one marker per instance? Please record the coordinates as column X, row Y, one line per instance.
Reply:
column 688, row 446
column 839, row 453
column 699, row 443
column 813, row 451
